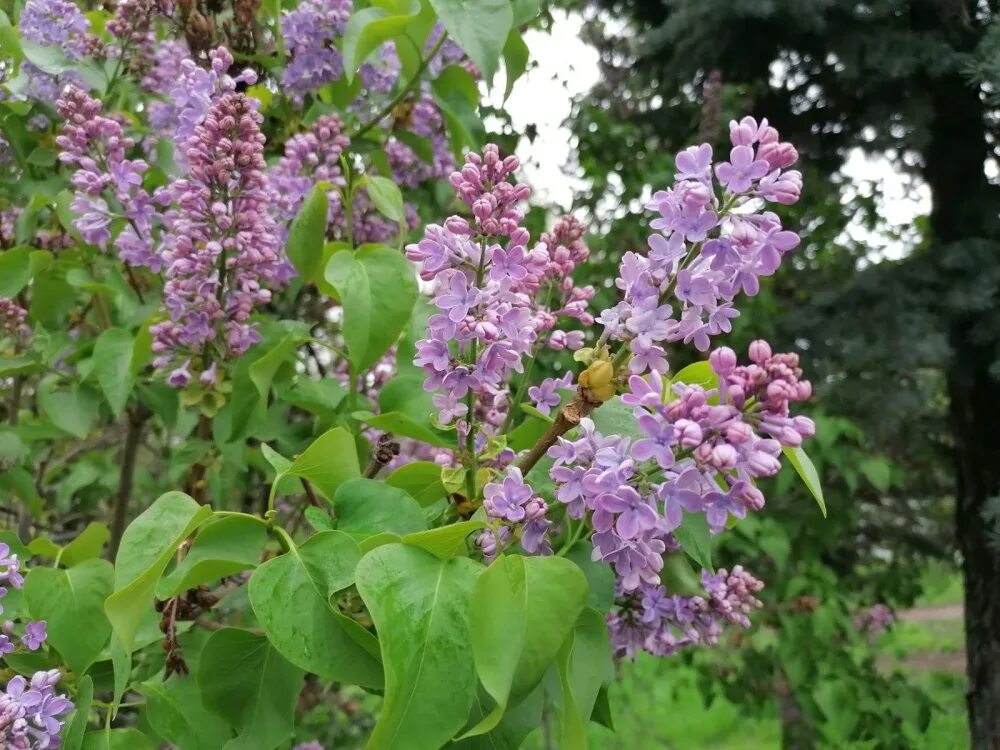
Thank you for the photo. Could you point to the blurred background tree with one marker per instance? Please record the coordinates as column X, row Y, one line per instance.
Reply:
column 902, row 346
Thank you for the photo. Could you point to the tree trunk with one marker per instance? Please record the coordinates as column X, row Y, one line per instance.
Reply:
column 963, row 250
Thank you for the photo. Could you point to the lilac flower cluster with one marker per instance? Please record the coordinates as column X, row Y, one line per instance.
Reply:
column 160, row 78
column 512, row 501
column 425, row 120
column 13, row 322
column 652, row 620
column 221, row 246
column 29, row 710
column 195, row 90
column 700, row 452
column 309, row 32
column 713, row 241
column 874, row 620
column 314, row 156
column 98, row 145
column 484, row 325
column 53, row 23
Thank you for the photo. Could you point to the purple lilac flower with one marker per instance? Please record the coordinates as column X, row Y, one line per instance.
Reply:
column 218, row 219
column 874, row 620
column 34, row 635
column 30, row 711
column 55, row 23
column 513, row 501
column 13, row 323
column 309, row 32
column 546, row 395
column 97, row 145
column 707, row 249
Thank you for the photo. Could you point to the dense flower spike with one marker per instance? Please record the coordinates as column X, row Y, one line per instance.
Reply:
column 712, row 243
column 221, row 248
column 309, row 32
column 98, row 145
column 53, row 23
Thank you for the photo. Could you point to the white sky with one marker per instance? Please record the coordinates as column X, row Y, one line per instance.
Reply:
column 564, row 66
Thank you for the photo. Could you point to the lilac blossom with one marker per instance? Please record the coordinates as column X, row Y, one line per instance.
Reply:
column 309, row 32
column 545, row 395
column 97, row 145
column 221, row 247
column 30, row 712
column 34, row 635
column 707, row 249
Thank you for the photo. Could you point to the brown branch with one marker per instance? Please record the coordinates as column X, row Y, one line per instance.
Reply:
column 567, row 418
column 133, row 438
column 386, row 449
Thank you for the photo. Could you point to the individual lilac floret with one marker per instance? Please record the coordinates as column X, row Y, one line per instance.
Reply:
column 546, row 395
column 34, row 635
column 218, row 221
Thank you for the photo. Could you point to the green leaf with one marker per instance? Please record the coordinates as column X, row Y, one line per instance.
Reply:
column 405, row 395
column 446, row 542
column 524, row 11
column 461, row 115
column 113, row 367
column 224, row 546
column 584, row 666
column 76, row 725
column 421, row 479
column 147, row 546
column 420, row 607
column 18, row 266
column 378, row 289
column 515, row 59
column 368, row 28
column 804, row 467
column 320, row 397
column 264, row 369
column 600, row 576
column 88, row 545
column 696, row 538
column 307, row 233
column 698, row 373
column 73, row 411
column 18, row 366
column 332, row 458
column 878, row 471
column 678, row 575
column 279, row 463
column 615, row 417
column 175, row 712
column 365, row 507
column 480, row 28
column 523, row 609
column 318, row 518
column 246, row 682
column 121, row 665
column 72, row 604
column 317, row 637
column 386, row 197
column 50, row 60
column 117, row 739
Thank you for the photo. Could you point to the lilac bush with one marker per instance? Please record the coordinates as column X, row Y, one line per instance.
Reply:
column 392, row 502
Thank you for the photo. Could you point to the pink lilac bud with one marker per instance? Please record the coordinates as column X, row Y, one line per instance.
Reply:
column 218, row 219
